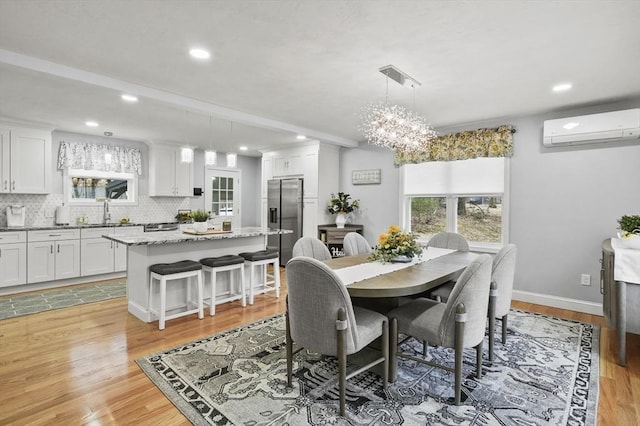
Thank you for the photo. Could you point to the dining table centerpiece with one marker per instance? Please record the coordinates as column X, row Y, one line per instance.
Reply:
column 394, row 245
column 341, row 205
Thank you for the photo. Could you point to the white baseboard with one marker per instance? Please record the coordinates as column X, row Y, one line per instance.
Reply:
column 559, row 302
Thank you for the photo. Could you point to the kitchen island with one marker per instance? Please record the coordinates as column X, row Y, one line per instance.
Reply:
column 146, row 249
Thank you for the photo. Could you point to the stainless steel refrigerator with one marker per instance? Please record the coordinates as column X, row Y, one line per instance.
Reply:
column 284, row 210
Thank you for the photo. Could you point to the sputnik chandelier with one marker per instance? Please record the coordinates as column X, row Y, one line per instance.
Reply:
column 393, row 126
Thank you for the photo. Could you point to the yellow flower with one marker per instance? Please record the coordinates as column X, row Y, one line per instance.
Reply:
column 393, row 229
column 383, row 238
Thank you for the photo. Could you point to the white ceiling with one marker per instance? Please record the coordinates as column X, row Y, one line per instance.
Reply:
column 279, row 68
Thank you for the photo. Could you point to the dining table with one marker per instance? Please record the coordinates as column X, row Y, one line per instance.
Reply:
column 382, row 287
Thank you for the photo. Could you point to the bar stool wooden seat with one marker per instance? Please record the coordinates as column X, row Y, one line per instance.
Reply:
column 230, row 263
column 269, row 282
column 171, row 272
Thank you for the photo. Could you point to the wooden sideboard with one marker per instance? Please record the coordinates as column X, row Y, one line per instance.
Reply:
column 332, row 237
column 620, row 301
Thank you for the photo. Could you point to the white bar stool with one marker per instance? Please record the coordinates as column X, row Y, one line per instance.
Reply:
column 167, row 272
column 269, row 282
column 229, row 263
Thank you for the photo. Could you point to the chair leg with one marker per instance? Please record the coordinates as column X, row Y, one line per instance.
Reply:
column 425, row 346
column 493, row 295
column 459, row 340
column 479, row 360
column 243, row 287
column 385, row 353
column 276, row 277
column 342, row 362
column 393, row 350
column 504, row 329
column 163, row 303
column 251, row 283
column 289, row 345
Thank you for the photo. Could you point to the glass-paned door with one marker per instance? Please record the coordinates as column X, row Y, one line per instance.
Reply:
column 222, row 195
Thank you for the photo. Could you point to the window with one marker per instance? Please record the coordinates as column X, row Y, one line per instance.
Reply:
column 86, row 187
column 467, row 197
column 222, row 194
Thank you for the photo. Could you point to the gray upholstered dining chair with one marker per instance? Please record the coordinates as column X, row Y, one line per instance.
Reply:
column 459, row 323
column 321, row 318
column 502, row 274
column 355, row 243
column 311, row 247
column 449, row 240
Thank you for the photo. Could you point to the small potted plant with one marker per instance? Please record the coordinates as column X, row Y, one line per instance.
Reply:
column 629, row 234
column 200, row 218
column 394, row 245
column 342, row 206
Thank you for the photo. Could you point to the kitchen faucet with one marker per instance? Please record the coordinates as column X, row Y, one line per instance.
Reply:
column 106, row 215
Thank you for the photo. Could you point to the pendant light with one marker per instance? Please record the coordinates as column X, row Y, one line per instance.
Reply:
column 232, row 157
column 210, row 155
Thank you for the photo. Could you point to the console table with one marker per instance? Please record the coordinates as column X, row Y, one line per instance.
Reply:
column 333, row 237
column 621, row 301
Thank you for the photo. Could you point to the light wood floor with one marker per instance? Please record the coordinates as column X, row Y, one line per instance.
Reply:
column 77, row 365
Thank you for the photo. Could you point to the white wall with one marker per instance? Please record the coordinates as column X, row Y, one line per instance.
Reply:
column 564, row 202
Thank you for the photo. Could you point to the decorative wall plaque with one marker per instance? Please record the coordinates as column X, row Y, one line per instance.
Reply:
column 366, row 177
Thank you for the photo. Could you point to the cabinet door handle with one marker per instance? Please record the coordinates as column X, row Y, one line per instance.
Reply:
column 6, row 184
column 55, row 235
column 58, row 248
column 51, row 248
column 14, row 185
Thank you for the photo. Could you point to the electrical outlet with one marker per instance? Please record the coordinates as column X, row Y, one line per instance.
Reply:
column 585, row 279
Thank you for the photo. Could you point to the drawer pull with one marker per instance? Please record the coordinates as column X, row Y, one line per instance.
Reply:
column 55, row 235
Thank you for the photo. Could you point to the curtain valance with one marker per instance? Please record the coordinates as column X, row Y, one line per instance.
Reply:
column 463, row 146
column 106, row 158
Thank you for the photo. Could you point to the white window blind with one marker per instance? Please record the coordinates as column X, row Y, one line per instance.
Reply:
column 475, row 176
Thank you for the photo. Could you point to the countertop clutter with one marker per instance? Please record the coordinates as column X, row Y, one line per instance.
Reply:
column 84, row 226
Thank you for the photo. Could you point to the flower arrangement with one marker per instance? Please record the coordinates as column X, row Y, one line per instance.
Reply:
column 629, row 224
column 342, row 204
column 393, row 244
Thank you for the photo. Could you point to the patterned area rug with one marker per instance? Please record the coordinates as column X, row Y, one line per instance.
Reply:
column 46, row 300
column 546, row 374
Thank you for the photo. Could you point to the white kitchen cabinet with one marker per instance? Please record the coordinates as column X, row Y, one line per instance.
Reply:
column 13, row 258
column 53, row 255
column 285, row 165
column 25, row 161
column 103, row 256
column 168, row 175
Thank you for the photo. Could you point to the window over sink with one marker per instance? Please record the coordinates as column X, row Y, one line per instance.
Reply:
column 86, row 187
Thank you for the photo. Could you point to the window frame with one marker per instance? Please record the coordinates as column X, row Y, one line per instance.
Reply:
column 132, row 187
column 452, row 210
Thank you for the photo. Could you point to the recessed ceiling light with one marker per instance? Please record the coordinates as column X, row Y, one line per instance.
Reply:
column 301, row 137
column 91, row 124
column 199, row 53
column 129, row 98
column 243, row 148
column 562, row 87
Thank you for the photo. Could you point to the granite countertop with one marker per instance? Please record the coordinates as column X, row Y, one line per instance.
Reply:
column 88, row 225
column 172, row 237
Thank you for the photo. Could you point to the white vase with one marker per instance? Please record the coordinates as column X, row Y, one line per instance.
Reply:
column 341, row 219
column 200, row 226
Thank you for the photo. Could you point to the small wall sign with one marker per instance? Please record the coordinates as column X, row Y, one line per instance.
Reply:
column 366, row 177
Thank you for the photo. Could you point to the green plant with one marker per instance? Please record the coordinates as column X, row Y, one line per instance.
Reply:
column 200, row 215
column 183, row 217
column 341, row 203
column 394, row 243
column 629, row 224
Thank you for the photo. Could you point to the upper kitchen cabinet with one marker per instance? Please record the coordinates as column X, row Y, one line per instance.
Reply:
column 25, row 161
column 169, row 176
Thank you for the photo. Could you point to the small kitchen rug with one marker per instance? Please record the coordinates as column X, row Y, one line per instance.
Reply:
column 546, row 374
column 46, row 300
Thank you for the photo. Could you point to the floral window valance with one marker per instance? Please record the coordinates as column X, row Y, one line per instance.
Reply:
column 106, row 158
column 463, row 146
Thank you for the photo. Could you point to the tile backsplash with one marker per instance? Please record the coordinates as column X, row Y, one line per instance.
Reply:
column 40, row 209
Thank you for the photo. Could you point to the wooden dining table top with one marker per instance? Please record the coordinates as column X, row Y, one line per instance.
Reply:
column 412, row 280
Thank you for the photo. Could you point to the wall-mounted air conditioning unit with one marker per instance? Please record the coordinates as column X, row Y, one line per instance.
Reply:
column 593, row 128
